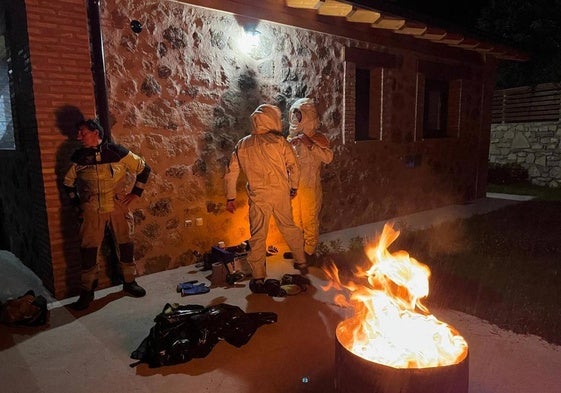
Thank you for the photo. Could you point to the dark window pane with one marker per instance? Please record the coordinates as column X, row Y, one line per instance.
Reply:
column 362, row 115
column 435, row 108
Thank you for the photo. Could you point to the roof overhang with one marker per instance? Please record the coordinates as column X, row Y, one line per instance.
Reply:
column 381, row 15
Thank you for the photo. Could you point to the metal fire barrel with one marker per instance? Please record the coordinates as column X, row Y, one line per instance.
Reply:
column 355, row 374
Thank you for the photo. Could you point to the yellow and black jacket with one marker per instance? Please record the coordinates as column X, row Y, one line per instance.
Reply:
column 98, row 175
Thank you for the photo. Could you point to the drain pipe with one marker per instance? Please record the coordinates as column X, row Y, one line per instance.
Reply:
column 98, row 65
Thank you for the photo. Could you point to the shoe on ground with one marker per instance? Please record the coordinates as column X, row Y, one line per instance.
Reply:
column 83, row 302
column 296, row 279
column 270, row 286
column 273, row 288
column 132, row 288
column 232, row 278
column 303, row 267
column 291, row 289
column 257, row 286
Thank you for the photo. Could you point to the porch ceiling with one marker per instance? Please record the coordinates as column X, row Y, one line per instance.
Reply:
column 380, row 19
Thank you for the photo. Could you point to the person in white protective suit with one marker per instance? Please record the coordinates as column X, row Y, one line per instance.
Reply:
column 269, row 164
column 312, row 150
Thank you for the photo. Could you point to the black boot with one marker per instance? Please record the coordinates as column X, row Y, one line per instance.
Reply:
column 133, row 289
column 83, row 302
column 86, row 297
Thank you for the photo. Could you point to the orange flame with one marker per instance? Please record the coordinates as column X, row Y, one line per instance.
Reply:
column 390, row 325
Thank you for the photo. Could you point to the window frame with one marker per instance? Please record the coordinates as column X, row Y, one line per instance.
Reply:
column 372, row 65
column 7, row 116
column 447, row 81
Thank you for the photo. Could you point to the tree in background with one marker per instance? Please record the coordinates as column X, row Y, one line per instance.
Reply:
column 531, row 26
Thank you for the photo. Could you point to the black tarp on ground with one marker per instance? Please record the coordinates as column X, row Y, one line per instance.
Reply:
column 182, row 333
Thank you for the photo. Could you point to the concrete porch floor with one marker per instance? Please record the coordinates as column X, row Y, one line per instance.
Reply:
column 90, row 351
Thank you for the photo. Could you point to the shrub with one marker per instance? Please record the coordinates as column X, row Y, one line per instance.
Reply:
column 506, row 173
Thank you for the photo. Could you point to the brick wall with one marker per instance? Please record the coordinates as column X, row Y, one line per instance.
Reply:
column 63, row 86
column 51, row 61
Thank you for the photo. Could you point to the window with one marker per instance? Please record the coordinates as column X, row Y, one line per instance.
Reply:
column 7, row 140
column 439, row 95
column 364, row 84
column 436, row 109
column 369, row 104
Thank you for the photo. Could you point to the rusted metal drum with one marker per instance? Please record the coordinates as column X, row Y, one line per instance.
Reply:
column 354, row 374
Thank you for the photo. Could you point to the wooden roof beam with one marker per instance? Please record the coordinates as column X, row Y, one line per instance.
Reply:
column 468, row 43
column 389, row 22
column 412, row 28
column 451, row 39
column 308, row 4
column 359, row 15
column 334, row 8
column 483, row 47
column 432, row 33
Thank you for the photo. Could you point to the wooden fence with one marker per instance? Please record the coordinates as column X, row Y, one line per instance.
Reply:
column 527, row 104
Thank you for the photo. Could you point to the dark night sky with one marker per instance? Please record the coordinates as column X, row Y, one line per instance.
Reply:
column 532, row 26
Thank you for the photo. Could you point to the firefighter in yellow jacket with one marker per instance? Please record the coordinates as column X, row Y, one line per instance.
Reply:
column 270, row 166
column 96, row 184
column 312, row 150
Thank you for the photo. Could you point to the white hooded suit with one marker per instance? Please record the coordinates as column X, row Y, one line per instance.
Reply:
column 269, row 163
column 307, row 203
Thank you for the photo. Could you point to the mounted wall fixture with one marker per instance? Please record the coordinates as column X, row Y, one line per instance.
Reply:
column 136, row 26
column 251, row 38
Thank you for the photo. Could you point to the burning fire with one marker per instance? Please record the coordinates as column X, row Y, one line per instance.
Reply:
column 390, row 325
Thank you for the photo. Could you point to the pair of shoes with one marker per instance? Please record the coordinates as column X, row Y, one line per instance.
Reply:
column 270, row 286
column 296, row 279
column 83, row 302
column 132, row 288
column 194, row 289
column 303, row 267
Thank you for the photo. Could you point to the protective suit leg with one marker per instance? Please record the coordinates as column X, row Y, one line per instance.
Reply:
column 259, row 216
column 128, row 267
column 88, row 278
column 90, row 270
column 310, row 204
column 291, row 233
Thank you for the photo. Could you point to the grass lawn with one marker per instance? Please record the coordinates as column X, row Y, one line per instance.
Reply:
column 503, row 266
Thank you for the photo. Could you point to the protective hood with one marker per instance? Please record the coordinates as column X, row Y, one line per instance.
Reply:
column 310, row 119
column 266, row 118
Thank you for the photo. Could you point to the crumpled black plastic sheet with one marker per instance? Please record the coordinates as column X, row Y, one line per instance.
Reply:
column 182, row 333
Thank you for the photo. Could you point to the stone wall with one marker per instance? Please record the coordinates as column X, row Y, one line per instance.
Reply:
column 181, row 92
column 535, row 146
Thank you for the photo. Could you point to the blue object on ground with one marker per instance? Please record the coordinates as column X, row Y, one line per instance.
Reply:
column 194, row 289
column 186, row 284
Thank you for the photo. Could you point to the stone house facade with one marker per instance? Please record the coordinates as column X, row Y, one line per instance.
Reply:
column 181, row 82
